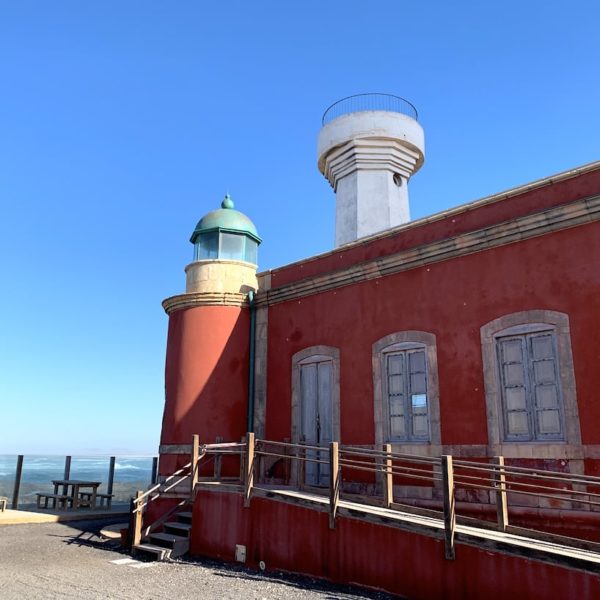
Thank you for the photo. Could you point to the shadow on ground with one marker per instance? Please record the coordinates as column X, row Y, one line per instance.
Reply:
column 87, row 533
column 334, row 591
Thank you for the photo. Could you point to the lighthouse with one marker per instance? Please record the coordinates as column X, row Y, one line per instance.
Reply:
column 208, row 343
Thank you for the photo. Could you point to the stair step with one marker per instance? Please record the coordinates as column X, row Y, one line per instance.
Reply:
column 182, row 529
column 185, row 516
column 170, row 538
column 176, row 543
column 152, row 551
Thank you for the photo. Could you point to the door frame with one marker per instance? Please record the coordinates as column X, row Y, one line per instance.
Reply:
column 308, row 355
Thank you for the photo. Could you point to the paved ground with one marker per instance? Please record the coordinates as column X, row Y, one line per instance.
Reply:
column 31, row 514
column 69, row 560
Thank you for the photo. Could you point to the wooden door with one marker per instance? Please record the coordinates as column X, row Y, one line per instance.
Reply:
column 316, row 409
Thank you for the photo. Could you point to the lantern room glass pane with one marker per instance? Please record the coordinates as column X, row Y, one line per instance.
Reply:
column 232, row 246
column 207, row 246
column 251, row 251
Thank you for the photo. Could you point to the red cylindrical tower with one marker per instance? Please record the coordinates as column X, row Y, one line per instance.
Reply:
column 207, row 364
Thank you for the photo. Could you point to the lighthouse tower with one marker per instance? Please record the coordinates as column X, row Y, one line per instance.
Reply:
column 369, row 147
column 207, row 364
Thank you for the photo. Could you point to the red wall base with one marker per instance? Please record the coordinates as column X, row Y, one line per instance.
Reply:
column 296, row 539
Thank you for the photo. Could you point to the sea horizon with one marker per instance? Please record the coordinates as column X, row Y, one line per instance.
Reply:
column 132, row 473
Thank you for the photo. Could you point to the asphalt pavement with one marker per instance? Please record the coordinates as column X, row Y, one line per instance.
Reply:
column 69, row 560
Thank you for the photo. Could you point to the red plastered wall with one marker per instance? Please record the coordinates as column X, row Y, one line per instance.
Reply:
column 298, row 539
column 206, row 374
column 452, row 299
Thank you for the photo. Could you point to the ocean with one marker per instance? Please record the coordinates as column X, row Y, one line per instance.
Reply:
column 132, row 473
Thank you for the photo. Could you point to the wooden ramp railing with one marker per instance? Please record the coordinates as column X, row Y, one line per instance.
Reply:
column 188, row 475
column 505, row 485
column 141, row 500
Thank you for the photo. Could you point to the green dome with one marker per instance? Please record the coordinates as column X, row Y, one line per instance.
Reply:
column 226, row 219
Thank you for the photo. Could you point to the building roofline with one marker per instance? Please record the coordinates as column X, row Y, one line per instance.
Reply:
column 451, row 212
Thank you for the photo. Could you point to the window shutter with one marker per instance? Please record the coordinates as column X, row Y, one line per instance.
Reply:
column 324, row 401
column 308, row 383
column 545, row 392
column 308, row 379
column 417, row 394
column 514, row 388
column 395, row 391
column 324, row 415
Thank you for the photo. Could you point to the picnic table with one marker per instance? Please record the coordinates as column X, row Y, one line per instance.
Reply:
column 71, row 488
column 71, row 495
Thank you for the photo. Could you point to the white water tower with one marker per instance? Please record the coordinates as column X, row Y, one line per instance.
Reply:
column 369, row 147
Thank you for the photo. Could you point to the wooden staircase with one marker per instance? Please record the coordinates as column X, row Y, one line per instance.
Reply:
column 172, row 542
column 169, row 535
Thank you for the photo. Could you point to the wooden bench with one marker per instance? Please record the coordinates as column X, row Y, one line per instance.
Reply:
column 3, row 502
column 57, row 499
column 87, row 498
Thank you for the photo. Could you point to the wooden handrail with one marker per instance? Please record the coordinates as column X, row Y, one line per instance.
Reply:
column 288, row 456
column 397, row 455
column 443, row 472
column 529, row 472
column 249, row 468
column 143, row 499
column 293, row 445
column 217, row 446
column 388, row 484
column 513, row 485
column 162, row 519
column 334, row 482
column 501, row 500
column 138, row 499
column 449, row 506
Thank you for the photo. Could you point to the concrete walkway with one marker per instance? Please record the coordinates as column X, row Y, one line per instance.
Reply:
column 42, row 515
column 48, row 561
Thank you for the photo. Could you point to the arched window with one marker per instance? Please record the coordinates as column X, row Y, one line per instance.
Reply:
column 529, row 380
column 406, row 389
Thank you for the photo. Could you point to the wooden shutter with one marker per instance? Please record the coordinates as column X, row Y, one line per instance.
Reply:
column 514, row 380
column 407, row 405
column 417, row 394
column 395, row 371
column 545, row 391
column 324, row 417
column 308, row 384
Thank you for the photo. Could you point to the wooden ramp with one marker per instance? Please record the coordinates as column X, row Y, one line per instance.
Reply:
column 532, row 545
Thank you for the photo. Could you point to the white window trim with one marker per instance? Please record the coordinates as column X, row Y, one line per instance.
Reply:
column 403, row 341
column 515, row 324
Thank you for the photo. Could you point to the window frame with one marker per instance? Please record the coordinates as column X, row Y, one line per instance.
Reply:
column 524, row 324
column 403, row 342
column 524, row 334
column 249, row 246
column 404, row 349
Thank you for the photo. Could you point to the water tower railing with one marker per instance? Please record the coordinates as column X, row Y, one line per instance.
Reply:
column 371, row 101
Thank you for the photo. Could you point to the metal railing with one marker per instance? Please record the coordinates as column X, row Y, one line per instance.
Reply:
column 26, row 476
column 370, row 101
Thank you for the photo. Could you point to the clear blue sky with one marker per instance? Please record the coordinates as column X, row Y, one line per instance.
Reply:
column 122, row 123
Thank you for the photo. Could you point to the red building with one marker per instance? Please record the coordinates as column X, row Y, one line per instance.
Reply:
column 473, row 333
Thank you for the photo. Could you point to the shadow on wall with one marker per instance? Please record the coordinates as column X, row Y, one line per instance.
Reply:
column 206, row 378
